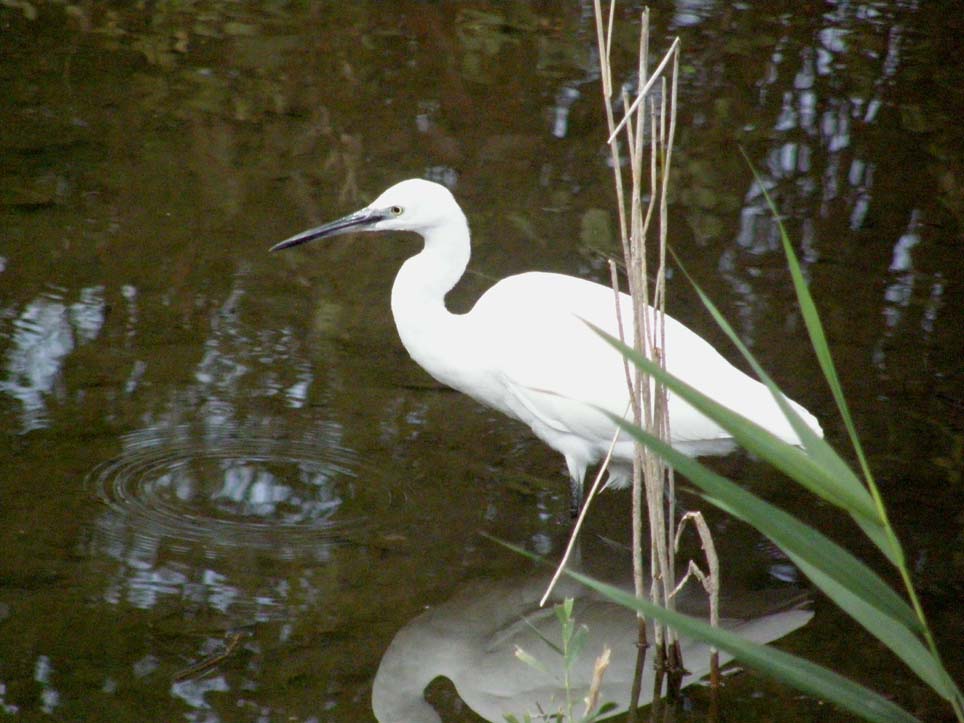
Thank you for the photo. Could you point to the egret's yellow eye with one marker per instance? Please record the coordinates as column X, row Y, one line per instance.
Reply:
column 396, row 210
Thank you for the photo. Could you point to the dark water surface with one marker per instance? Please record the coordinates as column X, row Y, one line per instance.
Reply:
column 207, row 449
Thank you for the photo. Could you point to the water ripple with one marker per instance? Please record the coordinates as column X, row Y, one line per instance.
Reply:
column 235, row 491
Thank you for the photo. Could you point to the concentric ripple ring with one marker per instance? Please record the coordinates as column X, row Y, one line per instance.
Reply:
column 235, row 490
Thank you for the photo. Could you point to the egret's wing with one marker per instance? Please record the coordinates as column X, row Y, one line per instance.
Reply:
column 561, row 372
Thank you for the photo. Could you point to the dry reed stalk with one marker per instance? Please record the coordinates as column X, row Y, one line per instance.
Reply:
column 649, row 401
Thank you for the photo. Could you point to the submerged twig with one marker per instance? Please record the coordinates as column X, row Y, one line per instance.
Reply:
column 198, row 669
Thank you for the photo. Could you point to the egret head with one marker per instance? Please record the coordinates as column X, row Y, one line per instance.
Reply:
column 412, row 205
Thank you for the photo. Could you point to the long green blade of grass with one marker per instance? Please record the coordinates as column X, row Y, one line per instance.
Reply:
column 822, row 453
column 795, row 538
column 859, row 591
column 843, row 578
column 815, row 445
column 788, row 459
column 898, row 626
column 811, row 319
column 904, row 644
column 818, row 340
column 798, row 672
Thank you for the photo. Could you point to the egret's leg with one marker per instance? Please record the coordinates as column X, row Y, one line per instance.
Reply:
column 577, row 475
column 575, row 497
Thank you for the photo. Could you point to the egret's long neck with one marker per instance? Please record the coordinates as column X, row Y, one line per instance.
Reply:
column 428, row 330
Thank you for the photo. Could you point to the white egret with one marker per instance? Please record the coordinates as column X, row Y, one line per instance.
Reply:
column 525, row 349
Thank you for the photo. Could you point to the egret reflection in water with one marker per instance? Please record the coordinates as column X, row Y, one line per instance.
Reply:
column 471, row 640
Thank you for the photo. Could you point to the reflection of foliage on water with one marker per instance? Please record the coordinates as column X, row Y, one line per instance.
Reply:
column 833, row 99
column 484, row 35
column 849, row 114
column 163, row 31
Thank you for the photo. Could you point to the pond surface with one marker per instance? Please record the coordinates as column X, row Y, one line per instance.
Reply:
column 225, row 488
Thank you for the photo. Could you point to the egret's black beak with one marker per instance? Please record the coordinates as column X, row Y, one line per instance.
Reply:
column 358, row 221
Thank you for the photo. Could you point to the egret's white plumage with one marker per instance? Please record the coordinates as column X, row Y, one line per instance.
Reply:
column 525, row 349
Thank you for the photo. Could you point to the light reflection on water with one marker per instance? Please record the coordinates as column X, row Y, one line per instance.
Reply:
column 183, row 508
column 44, row 333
